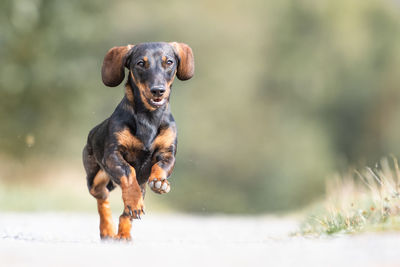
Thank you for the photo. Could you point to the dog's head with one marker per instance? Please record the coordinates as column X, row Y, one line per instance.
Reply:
column 152, row 67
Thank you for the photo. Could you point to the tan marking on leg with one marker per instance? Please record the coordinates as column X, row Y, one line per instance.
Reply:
column 106, row 222
column 133, row 204
column 157, row 172
column 124, row 228
column 165, row 139
column 158, row 180
column 99, row 189
column 131, row 195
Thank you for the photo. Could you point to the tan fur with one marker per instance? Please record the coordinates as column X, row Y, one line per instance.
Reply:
column 165, row 139
column 164, row 61
column 106, row 222
column 128, row 140
column 146, row 62
column 169, row 83
column 100, row 181
column 131, row 193
column 124, row 228
column 157, row 172
column 142, row 92
column 129, row 93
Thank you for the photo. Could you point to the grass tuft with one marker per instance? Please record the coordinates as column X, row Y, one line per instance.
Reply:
column 367, row 200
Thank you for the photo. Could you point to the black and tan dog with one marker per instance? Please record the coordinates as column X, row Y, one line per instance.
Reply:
column 137, row 143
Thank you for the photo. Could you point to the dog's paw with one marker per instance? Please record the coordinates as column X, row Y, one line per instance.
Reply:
column 106, row 232
column 123, row 237
column 134, row 209
column 124, row 228
column 159, row 185
column 107, row 237
column 135, row 213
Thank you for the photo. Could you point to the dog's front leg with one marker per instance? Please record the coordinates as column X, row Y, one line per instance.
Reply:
column 125, row 175
column 133, row 204
column 164, row 158
column 161, row 171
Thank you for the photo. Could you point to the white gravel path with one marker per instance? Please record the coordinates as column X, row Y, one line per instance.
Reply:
column 60, row 239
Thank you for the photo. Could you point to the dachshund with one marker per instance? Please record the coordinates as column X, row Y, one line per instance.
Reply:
column 137, row 144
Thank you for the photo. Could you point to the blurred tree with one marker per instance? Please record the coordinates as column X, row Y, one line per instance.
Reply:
column 332, row 62
column 47, row 49
column 283, row 90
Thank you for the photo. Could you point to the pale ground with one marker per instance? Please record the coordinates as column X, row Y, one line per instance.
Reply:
column 62, row 239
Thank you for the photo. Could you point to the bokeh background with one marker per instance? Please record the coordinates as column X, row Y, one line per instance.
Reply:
column 285, row 93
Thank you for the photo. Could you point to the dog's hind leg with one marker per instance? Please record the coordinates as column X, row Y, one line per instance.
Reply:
column 124, row 174
column 106, row 222
column 97, row 181
column 100, row 191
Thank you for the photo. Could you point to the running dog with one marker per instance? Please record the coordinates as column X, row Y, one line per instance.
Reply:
column 137, row 144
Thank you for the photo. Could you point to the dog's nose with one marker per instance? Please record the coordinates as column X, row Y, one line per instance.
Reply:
column 157, row 90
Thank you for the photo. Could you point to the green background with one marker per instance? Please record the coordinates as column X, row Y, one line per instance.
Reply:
column 284, row 94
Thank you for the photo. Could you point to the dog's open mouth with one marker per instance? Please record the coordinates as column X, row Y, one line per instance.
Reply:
column 157, row 102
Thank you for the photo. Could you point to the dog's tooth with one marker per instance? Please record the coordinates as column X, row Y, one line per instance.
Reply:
column 167, row 189
column 158, row 185
column 151, row 184
column 164, row 186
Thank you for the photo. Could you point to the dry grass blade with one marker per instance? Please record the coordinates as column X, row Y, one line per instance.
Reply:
column 359, row 202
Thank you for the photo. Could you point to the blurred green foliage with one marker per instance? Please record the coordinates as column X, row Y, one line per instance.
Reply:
column 284, row 91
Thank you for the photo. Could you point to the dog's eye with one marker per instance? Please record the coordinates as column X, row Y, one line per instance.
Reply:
column 169, row 62
column 140, row 63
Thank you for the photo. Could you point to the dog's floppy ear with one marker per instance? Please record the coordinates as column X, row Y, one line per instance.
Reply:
column 186, row 61
column 112, row 71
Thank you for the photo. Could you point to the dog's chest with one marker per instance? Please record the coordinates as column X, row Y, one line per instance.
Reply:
column 139, row 144
column 146, row 134
column 140, row 153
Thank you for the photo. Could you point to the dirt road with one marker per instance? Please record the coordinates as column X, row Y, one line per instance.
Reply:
column 52, row 239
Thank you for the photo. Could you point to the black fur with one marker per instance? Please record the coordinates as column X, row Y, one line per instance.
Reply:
column 103, row 151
